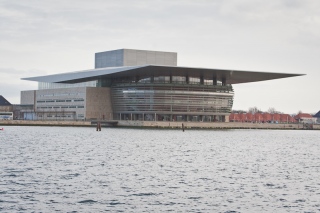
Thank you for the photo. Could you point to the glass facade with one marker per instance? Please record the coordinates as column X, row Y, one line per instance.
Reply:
column 46, row 85
column 171, row 98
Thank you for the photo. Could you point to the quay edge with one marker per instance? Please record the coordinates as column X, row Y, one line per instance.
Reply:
column 160, row 124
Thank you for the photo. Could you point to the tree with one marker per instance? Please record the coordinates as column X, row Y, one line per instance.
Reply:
column 272, row 110
column 254, row 110
column 238, row 111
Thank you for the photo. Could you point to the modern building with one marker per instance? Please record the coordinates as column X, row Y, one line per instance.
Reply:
column 131, row 84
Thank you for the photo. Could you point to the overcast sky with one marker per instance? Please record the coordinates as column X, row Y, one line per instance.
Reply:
column 39, row 37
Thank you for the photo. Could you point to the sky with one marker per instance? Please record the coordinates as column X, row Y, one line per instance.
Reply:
column 40, row 37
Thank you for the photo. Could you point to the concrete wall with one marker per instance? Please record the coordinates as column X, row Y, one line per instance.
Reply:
column 27, row 97
column 130, row 57
column 142, row 57
column 98, row 103
column 20, row 111
column 112, row 58
column 60, row 103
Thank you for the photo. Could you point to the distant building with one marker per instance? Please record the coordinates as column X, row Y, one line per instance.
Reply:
column 5, row 105
column 23, row 112
column 261, row 118
column 305, row 118
column 129, row 84
column 5, row 109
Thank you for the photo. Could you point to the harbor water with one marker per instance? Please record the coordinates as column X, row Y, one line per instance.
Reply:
column 78, row 169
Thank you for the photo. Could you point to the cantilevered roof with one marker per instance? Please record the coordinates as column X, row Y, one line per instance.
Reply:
column 231, row 76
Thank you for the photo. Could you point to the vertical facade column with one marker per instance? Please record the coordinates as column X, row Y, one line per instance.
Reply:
column 136, row 79
column 170, row 79
column 214, row 79
column 201, row 80
column 223, row 80
column 187, row 79
column 226, row 118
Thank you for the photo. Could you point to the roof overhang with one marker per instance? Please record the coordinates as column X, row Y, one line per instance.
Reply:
column 231, row 76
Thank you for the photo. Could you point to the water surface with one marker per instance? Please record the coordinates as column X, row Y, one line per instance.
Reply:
column 46, row 169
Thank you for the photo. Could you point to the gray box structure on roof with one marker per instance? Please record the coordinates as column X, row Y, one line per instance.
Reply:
column 130, row 57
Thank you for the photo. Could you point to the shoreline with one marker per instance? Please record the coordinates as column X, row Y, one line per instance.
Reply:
column 161, row 124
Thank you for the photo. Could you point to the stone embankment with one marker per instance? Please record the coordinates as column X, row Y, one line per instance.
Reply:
column 216, row 125
column 161, row 124
column 44, row 123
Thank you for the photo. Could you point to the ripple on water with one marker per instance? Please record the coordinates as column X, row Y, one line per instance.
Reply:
column 47, row 169
column 87, row 201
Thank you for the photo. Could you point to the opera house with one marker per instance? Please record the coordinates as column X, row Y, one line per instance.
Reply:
column 129, row 84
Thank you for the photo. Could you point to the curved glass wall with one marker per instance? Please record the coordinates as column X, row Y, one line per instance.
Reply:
column 165, row 101
column 166, row 80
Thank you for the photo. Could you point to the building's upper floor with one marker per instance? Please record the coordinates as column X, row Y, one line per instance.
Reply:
column 131, row 57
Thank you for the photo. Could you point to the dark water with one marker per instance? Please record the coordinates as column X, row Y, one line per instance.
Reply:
column 47, row 169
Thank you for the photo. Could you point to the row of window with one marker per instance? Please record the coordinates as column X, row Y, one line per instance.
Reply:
column 173, row 99
column 172, row 79
column 60, row 107
column 59, row 100
column 61, row 94
column 59, row 116
column 46, row 85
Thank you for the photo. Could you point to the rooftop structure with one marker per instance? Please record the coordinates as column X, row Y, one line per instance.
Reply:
column 5, row 106
column 317, row 115
column 129, row 57
column 143, row 85
column 4, row 102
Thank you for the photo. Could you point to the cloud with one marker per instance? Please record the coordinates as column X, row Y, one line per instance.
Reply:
column 61, row 36
column 11, row 85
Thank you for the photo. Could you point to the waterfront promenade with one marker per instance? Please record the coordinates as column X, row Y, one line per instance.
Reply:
column 160, row 124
